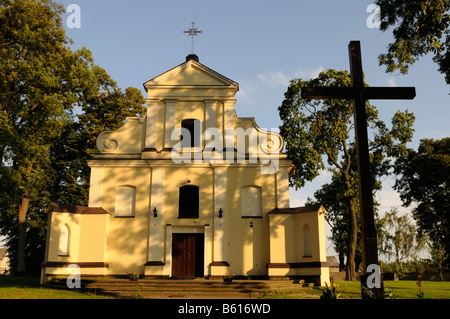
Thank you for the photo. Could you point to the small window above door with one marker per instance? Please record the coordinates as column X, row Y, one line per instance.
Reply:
column 188, row 202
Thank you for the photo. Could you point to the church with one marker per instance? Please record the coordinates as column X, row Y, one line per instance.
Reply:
column 188, row 190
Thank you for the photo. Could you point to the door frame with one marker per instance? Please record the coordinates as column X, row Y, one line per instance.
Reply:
column 197, row 229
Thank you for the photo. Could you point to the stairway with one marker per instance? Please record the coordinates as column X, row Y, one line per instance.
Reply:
column 182, row 289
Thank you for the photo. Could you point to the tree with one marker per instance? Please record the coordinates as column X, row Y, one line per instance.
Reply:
column 403, row 242
column 318, row 136
column 438, row 258
column 41, row 81
column 424, row 179
column 335, row 196
column 37, row 88
column 420, row 27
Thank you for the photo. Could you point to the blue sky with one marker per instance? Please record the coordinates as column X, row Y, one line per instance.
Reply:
column 261, row 45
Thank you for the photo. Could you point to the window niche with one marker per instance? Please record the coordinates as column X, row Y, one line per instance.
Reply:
column 188, row 205
column 64, row 238
column 251, row 202
column 125, row 201
column 192, row 126
column 307, row 241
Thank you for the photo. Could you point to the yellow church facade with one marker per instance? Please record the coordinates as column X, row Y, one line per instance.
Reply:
column 188, row 190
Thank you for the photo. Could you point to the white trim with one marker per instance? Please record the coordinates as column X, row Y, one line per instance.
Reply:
column 156, row 230
column 220, row 225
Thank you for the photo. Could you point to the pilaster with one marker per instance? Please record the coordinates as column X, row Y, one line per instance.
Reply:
column 169, row 123
column 150, row 125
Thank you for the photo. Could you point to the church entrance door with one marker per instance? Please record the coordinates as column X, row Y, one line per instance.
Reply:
column 187, row 255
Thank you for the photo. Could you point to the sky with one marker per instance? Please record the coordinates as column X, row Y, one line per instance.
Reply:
column 261, row 45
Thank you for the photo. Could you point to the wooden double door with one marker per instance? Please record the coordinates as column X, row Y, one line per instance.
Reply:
column 188, row 255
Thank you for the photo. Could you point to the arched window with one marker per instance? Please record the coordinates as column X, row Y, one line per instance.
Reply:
column 63, row 245
column 125, row 201
column 188, row 202
column 307, row 241
column 193, row 127
column 251, row 201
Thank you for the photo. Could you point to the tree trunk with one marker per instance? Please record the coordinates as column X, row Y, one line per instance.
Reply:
column 341, row 261
column 22, row 227
column 21, row 234
column 350, row 271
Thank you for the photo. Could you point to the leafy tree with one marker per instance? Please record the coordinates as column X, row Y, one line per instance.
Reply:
column 425, row 180
column 41, row 81
column 318, row 135
column 403, row 242
column 438, row 257
column 335, row 197
column 420, row 27
column 37, row 88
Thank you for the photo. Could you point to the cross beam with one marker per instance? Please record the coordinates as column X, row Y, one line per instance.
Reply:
column 192, row 32
column 359, row 94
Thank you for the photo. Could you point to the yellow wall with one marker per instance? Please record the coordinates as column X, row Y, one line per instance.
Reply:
column 127, row 236
column 138, row 154
column 87, row 242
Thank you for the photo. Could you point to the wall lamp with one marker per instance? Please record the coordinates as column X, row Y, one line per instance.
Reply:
column 220, row 213
column 155, row 212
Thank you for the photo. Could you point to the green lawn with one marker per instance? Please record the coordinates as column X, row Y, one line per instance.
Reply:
column 29, row 288
column 351, row 290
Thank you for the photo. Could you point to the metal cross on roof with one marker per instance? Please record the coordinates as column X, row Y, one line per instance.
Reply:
column 192, row 32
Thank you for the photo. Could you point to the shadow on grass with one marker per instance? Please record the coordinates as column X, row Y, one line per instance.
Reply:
column 21, row 282
column 27, row 287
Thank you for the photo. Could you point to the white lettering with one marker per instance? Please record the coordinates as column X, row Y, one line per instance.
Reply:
column 246, row 142
column 74, row 20
column 195, row 309
column 73, row 281
column 373, row 21
column 373, row 280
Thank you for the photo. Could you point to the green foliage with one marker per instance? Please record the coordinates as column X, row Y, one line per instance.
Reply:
column 402, row 243
column 420, row 27
column 439, row 257
column 390, row 294
column 43, row 145
column 328, row 293
column 424, row 180
column 137, row 294
column 421, row 294
column 319, row 136
column 36, row 94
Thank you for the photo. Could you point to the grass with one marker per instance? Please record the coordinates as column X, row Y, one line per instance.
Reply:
column 29, row 288
column 352, row 290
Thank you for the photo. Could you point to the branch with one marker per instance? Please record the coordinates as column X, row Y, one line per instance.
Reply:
column 334, row 161
column 347, row 154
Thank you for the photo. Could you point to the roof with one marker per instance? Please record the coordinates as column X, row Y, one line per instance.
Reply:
column 191, row 73
column 298, row 210
column 332, row 261
column 75, row 209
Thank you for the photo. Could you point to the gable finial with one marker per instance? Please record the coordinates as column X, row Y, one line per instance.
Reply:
column 192, row 32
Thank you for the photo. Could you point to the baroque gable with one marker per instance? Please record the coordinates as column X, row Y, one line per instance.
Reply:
column 192, row 92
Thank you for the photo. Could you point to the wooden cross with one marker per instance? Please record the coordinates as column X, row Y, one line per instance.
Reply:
column 360, row 94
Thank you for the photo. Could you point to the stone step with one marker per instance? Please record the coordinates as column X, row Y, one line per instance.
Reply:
column 172, row 288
